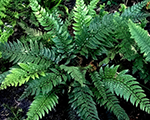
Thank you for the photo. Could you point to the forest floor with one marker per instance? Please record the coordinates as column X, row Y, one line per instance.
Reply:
column 12, row 109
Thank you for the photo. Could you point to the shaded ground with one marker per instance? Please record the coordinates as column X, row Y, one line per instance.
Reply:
column 12, row 109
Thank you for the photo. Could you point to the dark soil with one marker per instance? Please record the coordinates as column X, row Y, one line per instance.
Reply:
column 12, row 109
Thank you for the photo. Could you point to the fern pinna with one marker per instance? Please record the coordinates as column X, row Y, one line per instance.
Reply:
column 98, row 38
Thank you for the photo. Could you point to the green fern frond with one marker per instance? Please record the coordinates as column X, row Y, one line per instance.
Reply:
column 142, row 39
column 111, row 104
column 125, row 86
column 3, row 76
column 100, row 36
column 134, row 12
column 127, row 46
column 42, row 85
column 76, row 73
column 91, row 7
column 19, row 76
column 41, row 104
column 41, row 14
column 81, row 17
column 98, row 83
column 72, row 114
column 81, row 100
column 59, row 33
column 22, row 52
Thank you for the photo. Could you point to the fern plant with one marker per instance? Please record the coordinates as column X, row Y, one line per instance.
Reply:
column 95, row 42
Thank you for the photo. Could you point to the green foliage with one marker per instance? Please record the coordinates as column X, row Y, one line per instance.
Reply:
column 125, row 86
column 81, row 100
column 24, row 52
column 49, row 59
column 76, row 73
column 135, row 12
column 42, row 104
column 43, row 84
column 22, row 74
column 142, row 38
column 2, row 76
column 111, row 103
column 5, row 29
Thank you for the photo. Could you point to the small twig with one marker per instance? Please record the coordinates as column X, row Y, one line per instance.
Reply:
column 18, row 103
column 126, row 2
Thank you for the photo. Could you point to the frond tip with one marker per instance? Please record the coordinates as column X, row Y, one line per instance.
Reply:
column 111, row 103
column 81, row 100
column 141, row 37
column 42, row 104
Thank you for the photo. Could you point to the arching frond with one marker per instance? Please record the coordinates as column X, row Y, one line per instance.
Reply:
column 81, row 17
column 59, row 33
column 42, row 85
column 22, row 52
column 91, row 7
column 19, row 76
column 98, row 83
column 134, row 12
column 142, row 38
column 125, row 86
column 81, row 100
column 100, row 36
column 111, row 103
column 76, row 73
column 41, row 104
